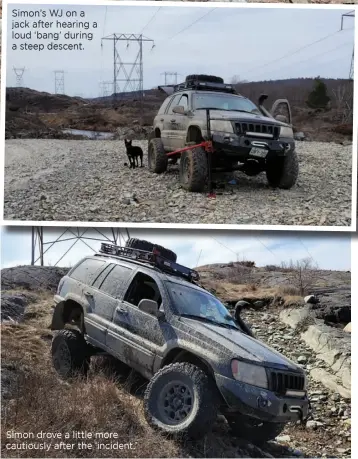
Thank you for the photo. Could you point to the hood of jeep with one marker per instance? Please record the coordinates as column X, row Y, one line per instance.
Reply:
column 237, row 344
column 243, row 117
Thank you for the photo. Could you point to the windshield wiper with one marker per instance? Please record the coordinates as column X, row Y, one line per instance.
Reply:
column 206, row 319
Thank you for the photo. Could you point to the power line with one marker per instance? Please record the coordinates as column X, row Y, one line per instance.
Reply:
column 266, row 248
column 313, row 57
column 226, row 247
column 151, row 19
column 291, row 53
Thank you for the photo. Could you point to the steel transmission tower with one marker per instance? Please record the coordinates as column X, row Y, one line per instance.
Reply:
column 59, row 82
column 106, row 88
column 19, row 72
column 127, row 76
column 349, row 15
column 39, row 247
column 173, row 75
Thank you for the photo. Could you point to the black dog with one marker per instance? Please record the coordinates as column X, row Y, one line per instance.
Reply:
column 133, row 153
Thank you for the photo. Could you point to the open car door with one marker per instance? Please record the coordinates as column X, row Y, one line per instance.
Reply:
column 281, row 111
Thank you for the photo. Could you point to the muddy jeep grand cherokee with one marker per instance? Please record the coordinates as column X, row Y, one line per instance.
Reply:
column 150, row 313
column 245, row 137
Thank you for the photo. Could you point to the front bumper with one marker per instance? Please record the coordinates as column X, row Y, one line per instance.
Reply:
column 234, row 145
column 261, row 403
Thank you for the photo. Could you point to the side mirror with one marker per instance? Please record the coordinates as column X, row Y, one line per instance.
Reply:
column 281, row 118
column 179, row 109
column 150, row 307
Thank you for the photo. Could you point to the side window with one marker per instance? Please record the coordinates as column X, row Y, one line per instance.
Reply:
column 164, row 106
column 143, row 287
column 184, row 101
column 115, row 279
column 102, row 275
column 87, row 270
column 173, row 103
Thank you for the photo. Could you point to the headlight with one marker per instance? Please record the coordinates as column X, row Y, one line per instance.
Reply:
column 286, row 131
column 222, row 126
column 250, row 374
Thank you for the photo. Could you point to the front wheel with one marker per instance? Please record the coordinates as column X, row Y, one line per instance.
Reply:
column 282, row 171
column 181, row 400
column 157, row 158
column 193, row 170
column 254, row 430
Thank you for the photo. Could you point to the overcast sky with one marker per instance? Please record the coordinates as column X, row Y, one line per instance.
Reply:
column 328, row 251
column 249, row 43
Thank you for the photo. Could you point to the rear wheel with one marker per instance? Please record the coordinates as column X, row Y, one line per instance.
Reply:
column 181, row 400
column 157, row 158
column 254, row 430
column 70, row 356
column 282, row 171
column 193, row 170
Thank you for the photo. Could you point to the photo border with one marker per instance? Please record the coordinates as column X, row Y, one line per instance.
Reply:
column 78, row 3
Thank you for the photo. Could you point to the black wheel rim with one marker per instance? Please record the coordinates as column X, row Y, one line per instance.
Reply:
column 176, row 402
column 62, row 359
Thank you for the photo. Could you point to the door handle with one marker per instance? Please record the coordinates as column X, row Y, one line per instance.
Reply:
column 89, row 294
column 173, row 121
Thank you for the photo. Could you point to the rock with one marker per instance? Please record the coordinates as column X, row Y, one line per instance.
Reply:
column 330, row 381
column 313, row 424
column 259, row 304
column 302, row 359
column 293, row 317
column 283, row 439
column 300, row 136
column 311, row 299
column 347, row 328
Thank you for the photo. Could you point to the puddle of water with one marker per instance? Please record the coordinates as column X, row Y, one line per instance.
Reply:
column 93, row 135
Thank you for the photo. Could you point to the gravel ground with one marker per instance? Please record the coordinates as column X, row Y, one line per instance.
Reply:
column 75, row 180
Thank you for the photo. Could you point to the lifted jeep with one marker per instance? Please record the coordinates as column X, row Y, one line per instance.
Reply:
column 244, row 137
column 151, row 313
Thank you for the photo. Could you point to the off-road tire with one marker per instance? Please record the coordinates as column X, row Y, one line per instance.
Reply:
column 258, row 432
column 70, row 355
column 193, row 169
column 205, row 400
column 157, row 159
column 282, row 171
column 149, row 246
column 208, row 78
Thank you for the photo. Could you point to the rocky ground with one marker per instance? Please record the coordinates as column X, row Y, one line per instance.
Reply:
column 25, row 358
column 40, row 176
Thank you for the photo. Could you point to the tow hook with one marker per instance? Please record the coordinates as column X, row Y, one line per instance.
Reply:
column 302, row 420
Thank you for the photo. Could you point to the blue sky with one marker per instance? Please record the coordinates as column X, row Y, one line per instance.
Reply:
column 249, row 43
column 327, row 250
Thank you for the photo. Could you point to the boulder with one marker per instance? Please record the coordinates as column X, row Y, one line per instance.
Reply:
column 347, row 328
column 311, row 299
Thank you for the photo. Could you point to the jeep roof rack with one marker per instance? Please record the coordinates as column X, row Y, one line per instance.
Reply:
column 154, row 259
column 198, row 86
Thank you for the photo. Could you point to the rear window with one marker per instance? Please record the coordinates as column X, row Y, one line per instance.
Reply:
column 86, row 271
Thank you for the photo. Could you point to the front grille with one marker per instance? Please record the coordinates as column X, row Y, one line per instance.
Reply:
column 262, row 130
column 280, row 382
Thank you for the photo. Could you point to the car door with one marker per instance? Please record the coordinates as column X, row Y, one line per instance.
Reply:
column 181, row 124
column 281, row 110
column 169, row 124
column 103, row 300
column 159, row 119
column 134, row 334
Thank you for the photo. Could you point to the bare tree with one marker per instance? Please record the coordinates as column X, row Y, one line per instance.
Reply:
column 343, row 95
column 302, row 274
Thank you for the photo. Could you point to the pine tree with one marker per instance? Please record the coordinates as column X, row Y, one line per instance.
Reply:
column 318, row 97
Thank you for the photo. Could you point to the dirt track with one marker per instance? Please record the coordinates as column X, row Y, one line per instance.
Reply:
column 86, row 181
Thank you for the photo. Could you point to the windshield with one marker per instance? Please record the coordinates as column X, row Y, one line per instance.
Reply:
column 198, row 304
column 224, row 102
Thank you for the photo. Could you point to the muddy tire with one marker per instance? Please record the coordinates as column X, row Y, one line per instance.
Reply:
column 149, row 246
column 282, row 172
column 256, row 431
column 157, row 159
column 70, row 355
column 181, row 400
column 193, row 170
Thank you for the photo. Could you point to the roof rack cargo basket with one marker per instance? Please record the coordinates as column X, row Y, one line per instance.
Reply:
column 206, row 86
column 153, row 258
